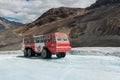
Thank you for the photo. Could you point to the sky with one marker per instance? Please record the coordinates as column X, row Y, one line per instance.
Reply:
column 26, row 11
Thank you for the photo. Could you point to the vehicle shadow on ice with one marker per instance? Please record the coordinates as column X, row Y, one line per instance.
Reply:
column 53, row 59
column 37, row 57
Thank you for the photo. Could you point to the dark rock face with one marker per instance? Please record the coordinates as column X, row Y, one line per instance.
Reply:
column 62, row 12
column 57, row 14
column 5, row 24
column 51, row 16
column 97, row 27
column 102, row 21
column 9, row 40
column 103, row 2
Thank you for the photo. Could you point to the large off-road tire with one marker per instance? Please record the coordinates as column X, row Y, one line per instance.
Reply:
column 30, row 53
column 58, row 55
column 61, row 55
column 46, row 54
column 25, row 53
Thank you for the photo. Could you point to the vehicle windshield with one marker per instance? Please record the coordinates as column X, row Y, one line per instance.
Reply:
column 62, row 39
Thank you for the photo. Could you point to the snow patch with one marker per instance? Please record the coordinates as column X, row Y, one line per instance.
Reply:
column 101, row 51
column 11, row 52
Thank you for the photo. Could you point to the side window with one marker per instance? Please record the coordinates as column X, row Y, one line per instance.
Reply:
column 53, row 40
column 65, row 39
column 42, row 40
column 25, row 41
column 45, row 40
column 59, row 39
column 32, row 40
column 48, row 38
column 37, row 40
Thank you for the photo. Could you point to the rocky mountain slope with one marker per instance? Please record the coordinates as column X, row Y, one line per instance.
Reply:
column 97, row 25
column 8, row 38
column 5, row 24
column 50, row 21
column 103, row 3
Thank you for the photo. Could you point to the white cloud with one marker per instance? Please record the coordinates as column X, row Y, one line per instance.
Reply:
column 28, row 11
column 6, row 12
